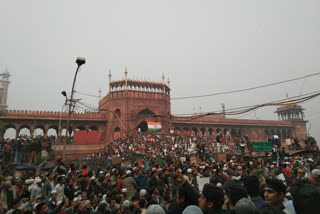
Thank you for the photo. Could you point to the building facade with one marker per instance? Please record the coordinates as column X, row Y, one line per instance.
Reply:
column 130, row 104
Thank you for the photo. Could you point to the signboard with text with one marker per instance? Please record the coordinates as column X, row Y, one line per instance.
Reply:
column 261, row 146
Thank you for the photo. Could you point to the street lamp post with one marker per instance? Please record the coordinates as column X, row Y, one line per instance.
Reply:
column 79, row 61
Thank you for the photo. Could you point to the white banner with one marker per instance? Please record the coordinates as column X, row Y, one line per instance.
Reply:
column 202, row 182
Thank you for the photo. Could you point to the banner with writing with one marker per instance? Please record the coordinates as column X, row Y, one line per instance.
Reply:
column 261, row 146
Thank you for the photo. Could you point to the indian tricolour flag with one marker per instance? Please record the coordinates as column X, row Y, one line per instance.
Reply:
column 154, row 126
column 294, row 164
column 140, row 153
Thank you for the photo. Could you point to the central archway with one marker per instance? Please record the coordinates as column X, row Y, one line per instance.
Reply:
column 143, row 126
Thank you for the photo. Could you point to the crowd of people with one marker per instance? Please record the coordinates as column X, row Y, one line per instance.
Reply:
column 156, row 173
column 26, row 150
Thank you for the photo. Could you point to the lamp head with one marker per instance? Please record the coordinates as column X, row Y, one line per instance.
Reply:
column 80, row 61
column 64, row 93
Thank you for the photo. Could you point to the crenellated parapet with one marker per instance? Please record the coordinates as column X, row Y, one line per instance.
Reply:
column 49, row 115
column 139, row 86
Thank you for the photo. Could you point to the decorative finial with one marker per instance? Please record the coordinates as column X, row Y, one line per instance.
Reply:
column 126, row 79
column 223, row 107
column 6, row 72
column 110, row 75
column 163, row 78
column 99, row 94
column 168, row 82
column 200, row 110
column 194, row 110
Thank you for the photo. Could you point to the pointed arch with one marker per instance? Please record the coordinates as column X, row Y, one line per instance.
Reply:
column 143, row 126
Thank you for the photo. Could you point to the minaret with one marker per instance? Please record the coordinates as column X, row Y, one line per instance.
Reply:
column 110, row 75
column 126, row 79
column 223, row 109
column 4, row 85
column 99, row 94
column 164, row 83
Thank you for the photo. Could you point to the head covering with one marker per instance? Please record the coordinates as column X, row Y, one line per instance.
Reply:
column 189, row 170
column 128, row 172
column 315, row 172
column 54, row 192
column 155, row 209
column 310, row 159
column 276, row 185
column 142, row 192
column 29, row 181
column 126, row 204
column 245, row 206
column 38, row 180
column 192, row 209
column 124, row 190
column 236, row 178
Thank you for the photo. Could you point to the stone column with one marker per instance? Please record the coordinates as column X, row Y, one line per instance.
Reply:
column 86, row 128
column 46, row 128
column 32, row 128
column 17, row 127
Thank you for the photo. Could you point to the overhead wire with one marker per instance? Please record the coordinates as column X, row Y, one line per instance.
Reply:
column 89, row 95
column 228, row 92
column 234, row 111
column 246, row 89
column 245, row 107
column 237, row 112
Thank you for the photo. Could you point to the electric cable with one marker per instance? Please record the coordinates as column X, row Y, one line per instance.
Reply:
column 246, row 89
column 228, row 92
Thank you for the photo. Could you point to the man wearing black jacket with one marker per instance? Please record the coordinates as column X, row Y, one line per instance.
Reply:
column 186, row 195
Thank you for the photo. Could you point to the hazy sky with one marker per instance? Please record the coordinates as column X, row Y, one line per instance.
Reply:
column 203, row 46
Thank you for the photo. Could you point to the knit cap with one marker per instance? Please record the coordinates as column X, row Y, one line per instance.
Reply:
column 155, row 209
column 245, row 206
column 192, row 209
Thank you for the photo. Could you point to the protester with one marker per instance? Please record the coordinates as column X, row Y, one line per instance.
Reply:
column 211, row 200
column 274, row 191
